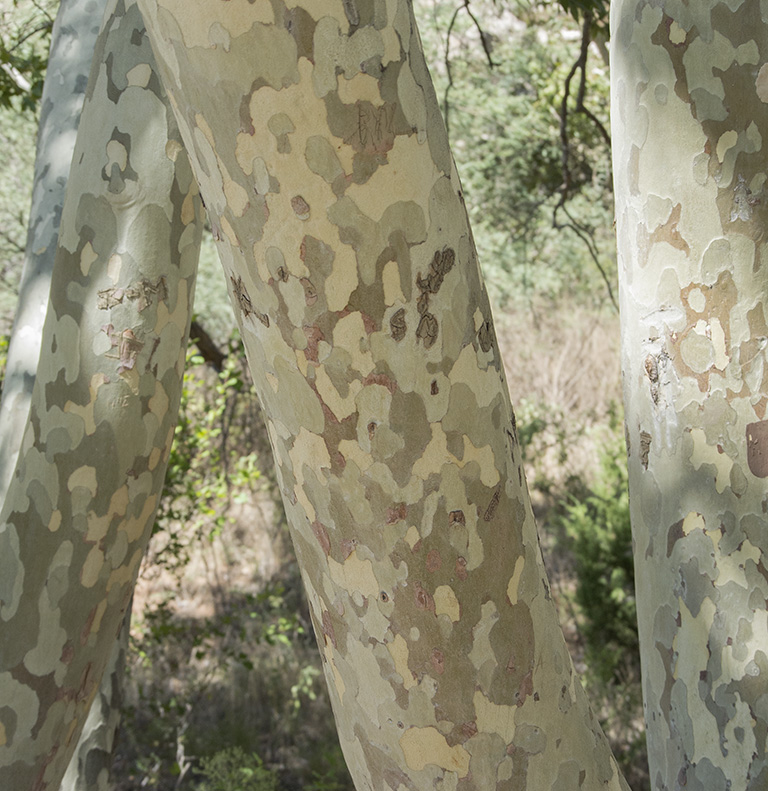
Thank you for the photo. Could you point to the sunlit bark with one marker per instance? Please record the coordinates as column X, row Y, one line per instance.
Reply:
column 72, row 42
column 80, row 508
column 690, row 115
column 314, row 132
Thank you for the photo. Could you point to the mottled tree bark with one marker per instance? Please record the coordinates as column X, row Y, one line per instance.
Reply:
column 690, row 115
column 314, row 131
column 73, row 40
column 72, row 43
column 80, row 508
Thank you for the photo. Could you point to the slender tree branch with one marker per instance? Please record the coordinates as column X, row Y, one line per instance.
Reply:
column 207, row 347
column 447, row 59
column 485, row 40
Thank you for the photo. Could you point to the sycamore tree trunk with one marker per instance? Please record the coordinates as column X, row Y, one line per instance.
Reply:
column 690, row 114
column 73, row 40
column 313, row 129
column 80, row 508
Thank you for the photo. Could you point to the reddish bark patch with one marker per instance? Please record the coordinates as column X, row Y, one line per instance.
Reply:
column 348, row 546
column 424, row 600
column 437, row 660
column 328, row 630
column 300, row 207
column 381, row 379
column 321, row 534
column 397, row 513
column 757, row 448
column 468, row 730
column 525, row 689
column 314, row 335
column 310, row 292
column 434, row 561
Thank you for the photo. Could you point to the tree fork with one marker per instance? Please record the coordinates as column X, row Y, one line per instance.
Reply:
column 315, row 134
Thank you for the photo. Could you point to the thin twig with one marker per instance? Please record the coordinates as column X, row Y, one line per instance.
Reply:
column 484, row 40
column 447, row 58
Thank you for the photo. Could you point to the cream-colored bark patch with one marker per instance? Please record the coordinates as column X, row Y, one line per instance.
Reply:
column 422, row 746
column 398, row 649
column 85, row 477
column 446, row 603
column 87, row 258
column 514, row 581
column 492, row 718
column 140, row 75
column 761, row 83
column 235, row 16
column 354, row 575
column 703, row 453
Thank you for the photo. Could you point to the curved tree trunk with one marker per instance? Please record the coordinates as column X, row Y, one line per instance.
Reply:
column 73, row 41
column 315, row 134
column 690, row 114
column 80, row 508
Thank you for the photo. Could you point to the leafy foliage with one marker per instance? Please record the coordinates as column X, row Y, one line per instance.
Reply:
column 508, row 140
column 233, row 770
column 597, row 521
column 25, row 29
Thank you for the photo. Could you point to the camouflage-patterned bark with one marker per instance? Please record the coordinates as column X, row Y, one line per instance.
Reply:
column 690, row 120
column 72, row 43
column 79, row 510
column 89, row 768
column 314, row 132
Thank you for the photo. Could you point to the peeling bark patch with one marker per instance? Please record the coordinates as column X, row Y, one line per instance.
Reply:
column 485, row 336
column 300, row 207
column 645, row 448
column 310, row 292
column 244, row 301
column 757, row 448
column 397, row 325
column 128, row 347
column 321, row 534
column 141, row 292
column 328, row 630
column 437, row 659
column 424, row 600
column 427, row 330
column 493, row 505
column 398, row 512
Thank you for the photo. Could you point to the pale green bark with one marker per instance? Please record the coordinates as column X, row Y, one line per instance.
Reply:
column 690, row 116
column 72, row 42
column 80, row 508
column 314, row 131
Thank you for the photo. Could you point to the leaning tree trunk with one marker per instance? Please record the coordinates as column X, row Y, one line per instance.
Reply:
column 690, row 114
column 322, row 157
column 80, row 508
column 73, row 40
